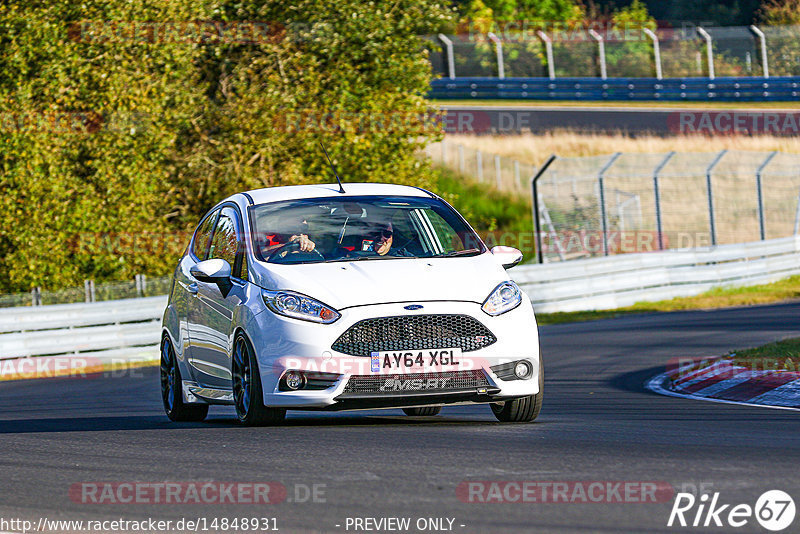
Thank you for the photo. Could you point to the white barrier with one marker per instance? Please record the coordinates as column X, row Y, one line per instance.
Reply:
column 616, row 281
column 130, row 328
column 118, row 329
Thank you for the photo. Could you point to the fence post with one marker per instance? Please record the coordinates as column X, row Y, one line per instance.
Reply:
column 797, row 217
column 603, row 214
column 461, row 163
column 517, row 181
column 548, row 46
column 656, row 50
column 498, row 45
column 709, row 51
column 763, row 42
column 479, row 161
column 498, row 172
column 712, row 225
column 535, row 201
column 601, row 49
column 657, row 194
column 761, row 195
column 444, row 152
column 451, row 63
column 140, row 285
column 36, row 296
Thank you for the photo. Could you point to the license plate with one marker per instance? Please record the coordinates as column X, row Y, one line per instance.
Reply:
column 427, row 360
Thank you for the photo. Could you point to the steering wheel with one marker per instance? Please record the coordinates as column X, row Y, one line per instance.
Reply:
column 291, row 253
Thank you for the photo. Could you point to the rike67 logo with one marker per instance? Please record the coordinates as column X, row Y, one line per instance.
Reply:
column 774, row 510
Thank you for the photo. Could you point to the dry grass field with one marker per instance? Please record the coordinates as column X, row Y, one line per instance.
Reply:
column 535, row 149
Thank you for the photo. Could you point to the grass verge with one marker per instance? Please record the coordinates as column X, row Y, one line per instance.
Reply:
column 782, row 355
column 782, row 290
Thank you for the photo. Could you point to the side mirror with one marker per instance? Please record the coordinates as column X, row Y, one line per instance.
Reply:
column 214, row 271
column 508, row 256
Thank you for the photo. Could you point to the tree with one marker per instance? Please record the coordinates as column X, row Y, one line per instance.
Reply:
column 120, row 129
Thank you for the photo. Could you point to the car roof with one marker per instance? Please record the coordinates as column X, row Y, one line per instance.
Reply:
column 292, row 192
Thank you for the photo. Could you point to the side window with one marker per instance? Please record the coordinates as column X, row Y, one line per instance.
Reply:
column 201, row 236
column 224, row 242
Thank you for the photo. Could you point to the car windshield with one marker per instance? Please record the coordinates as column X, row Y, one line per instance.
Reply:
column 360, row 228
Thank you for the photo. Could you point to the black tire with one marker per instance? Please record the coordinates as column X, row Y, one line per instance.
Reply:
column 172, row 389
column 524, row 409
column 425, row 411
column 247, row 390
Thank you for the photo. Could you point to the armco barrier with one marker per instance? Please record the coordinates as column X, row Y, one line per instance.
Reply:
column 728, row 89
column 622, row 280
column 130, row 330
column 102, row 333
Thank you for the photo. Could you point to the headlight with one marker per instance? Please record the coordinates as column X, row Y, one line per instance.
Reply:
column 299, row 306
column 505, row 297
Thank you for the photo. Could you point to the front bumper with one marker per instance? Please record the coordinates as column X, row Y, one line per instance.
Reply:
column 303, row 346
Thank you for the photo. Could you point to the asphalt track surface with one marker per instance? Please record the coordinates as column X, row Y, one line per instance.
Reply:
column 598, row 423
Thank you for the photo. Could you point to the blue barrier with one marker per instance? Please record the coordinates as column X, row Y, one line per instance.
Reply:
column 755, row 89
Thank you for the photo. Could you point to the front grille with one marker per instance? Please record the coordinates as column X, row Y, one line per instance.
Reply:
column 446, row 381
column 414, row 332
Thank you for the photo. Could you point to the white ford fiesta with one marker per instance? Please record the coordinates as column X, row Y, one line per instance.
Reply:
column 316, row 298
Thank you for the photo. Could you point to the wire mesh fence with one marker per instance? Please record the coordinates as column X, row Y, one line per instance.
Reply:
column 140, row 286
column 504, row 173
column 620, row 203
column 630, row 202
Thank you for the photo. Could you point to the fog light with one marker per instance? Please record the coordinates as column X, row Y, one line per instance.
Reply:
column 523, row 369
column 294, row 380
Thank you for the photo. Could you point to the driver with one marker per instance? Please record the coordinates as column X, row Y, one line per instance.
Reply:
column 299, row 235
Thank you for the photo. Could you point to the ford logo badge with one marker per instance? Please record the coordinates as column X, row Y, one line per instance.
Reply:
column 413, row 307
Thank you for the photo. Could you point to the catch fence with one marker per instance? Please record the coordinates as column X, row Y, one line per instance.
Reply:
column 631, row 202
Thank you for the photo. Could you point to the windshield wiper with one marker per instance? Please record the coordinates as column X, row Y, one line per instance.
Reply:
column 458, row 253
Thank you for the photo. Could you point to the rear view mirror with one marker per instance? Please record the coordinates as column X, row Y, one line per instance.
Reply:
column 508, row 256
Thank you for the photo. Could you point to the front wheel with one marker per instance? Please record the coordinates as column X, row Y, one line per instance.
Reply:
column 425, row 411
column 524, row 409
column 247, row 391
column 171, row 389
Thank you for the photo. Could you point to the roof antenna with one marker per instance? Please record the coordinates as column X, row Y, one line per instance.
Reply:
column 336, row 174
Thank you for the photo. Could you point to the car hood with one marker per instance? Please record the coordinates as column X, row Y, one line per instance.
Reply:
column 358, row 283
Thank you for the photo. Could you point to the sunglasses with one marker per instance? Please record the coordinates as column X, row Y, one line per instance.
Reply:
column 385, row 233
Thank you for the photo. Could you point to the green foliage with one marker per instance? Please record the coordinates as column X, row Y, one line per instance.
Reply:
column 780, row 12
column 500, row 218
column 159, row 131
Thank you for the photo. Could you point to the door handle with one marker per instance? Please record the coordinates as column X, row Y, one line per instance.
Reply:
column 192, row 288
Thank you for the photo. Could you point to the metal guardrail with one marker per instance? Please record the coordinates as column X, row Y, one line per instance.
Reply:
column 727, row 89
column 623, row 280
column 112, row 329
column 129, row 329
